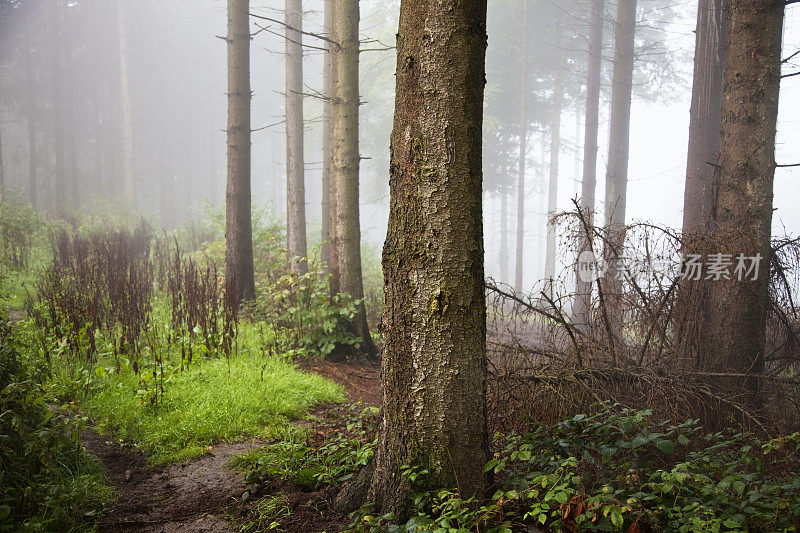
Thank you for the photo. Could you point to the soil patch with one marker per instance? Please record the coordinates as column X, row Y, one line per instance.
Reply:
column 202, row 493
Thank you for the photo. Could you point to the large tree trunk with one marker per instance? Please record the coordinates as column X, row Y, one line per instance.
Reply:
column 738, row 308
column 126, row 109
column 295, row 173
column 59, row 176
column 583, row 289
column 345, row 161
column 555, row 150
column 617, row 173
column 434, row 322
column 523, row 152
column 238, row 223
column 702, row 177
column 326, row 141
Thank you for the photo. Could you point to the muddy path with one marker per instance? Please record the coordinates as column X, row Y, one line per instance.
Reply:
column 189, row 496
column 200, row 494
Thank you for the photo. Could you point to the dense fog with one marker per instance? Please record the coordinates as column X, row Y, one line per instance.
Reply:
column 77, row 76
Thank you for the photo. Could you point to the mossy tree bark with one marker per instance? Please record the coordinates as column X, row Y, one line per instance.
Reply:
column 434, row 318
column 238, row 218
column 345, row 163
column 295, row 167
column 738, row 309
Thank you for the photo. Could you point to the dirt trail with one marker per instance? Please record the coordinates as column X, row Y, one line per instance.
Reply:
column 195, row 495
column 189, row 496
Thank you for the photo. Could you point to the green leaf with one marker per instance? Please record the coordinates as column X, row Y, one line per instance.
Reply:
column 667, row 447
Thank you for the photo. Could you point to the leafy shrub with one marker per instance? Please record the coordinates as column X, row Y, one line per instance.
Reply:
column 311, row 321
column 47, row 481
column 619, row 470
column 301, row 458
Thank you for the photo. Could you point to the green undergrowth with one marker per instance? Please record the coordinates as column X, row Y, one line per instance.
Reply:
column 47, row 480
column 614, row 470
column 211, row 401
column 617, row 470
column 329, row 454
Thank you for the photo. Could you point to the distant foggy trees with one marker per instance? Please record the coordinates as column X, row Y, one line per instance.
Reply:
column 104, row 100
column 239, row 274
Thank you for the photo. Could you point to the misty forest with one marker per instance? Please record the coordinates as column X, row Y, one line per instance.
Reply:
column 455, row 266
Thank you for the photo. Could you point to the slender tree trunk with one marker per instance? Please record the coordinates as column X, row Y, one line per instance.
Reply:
column 738, row 308
column 705, row 119
column 59, row 175
column 295, row 171
column 345, row 161
column 2, row 170
column 238, row 222
column 589, row 181
column 33, row 182
column 126, row 109
column 503, row 234
column 71, row 144
column 523, row 151
column 617, row 173
column 326, row 142
column 434, row 322
column 702, row 177
column 555, row 150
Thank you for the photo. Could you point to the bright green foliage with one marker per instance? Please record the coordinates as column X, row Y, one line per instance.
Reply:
column 310, row 322
column 619, row 470
column 211, row 401
column 299, row 458
column 47, row 481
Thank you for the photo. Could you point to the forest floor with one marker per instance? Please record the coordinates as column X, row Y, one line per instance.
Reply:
column 203, row 494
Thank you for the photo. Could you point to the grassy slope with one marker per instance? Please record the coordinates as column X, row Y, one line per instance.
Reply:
column 206, row 404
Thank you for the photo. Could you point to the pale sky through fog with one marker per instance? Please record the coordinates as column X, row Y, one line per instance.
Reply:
column 657, row 163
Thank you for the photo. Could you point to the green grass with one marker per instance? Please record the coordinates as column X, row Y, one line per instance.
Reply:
column 207, row 404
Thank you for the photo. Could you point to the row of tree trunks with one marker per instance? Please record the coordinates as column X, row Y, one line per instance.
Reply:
column 295, row 168
column 238, row 219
